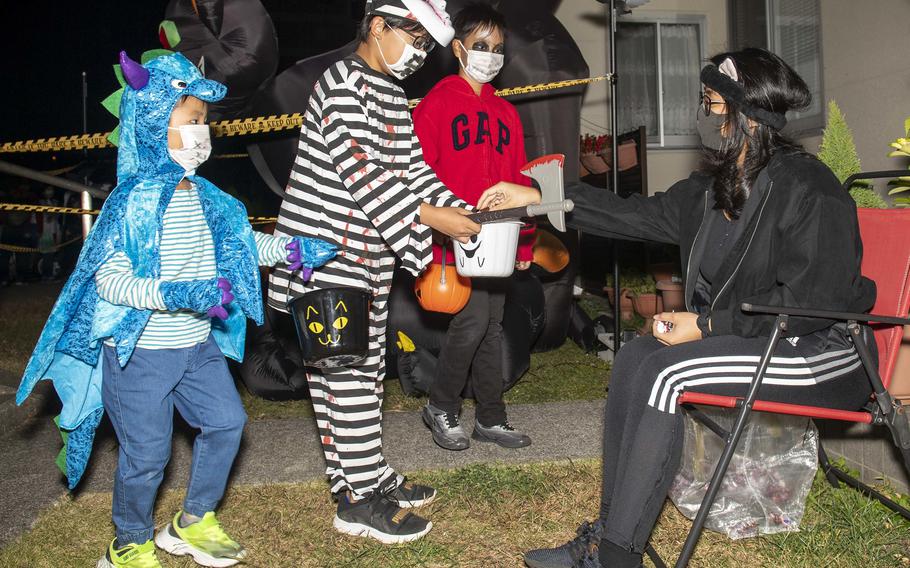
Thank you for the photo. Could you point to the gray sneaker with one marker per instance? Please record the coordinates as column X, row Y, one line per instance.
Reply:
column 502, row 434
column 447, row 430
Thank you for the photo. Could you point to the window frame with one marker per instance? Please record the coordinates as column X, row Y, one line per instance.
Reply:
column 806, row 126
column 663, row 141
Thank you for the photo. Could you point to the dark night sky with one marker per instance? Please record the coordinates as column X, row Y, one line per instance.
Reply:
column 49, row 44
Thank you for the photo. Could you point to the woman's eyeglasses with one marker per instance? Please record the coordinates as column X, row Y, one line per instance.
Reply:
column 707, row 103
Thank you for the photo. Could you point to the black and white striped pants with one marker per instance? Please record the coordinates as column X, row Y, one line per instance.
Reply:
column 643, row 428
column 347, row 402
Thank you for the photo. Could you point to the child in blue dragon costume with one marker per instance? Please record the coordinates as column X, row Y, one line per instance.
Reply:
column 160, row 295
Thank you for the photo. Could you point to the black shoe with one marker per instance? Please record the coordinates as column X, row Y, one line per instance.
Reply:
column 446, row 428
column 381, row 518
column 410, row 495
column 580, row 552
column 501, row 434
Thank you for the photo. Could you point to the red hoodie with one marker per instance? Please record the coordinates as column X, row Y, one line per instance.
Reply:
column 472, row 142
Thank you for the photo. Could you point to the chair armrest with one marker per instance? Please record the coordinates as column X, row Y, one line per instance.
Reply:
column 822, row 314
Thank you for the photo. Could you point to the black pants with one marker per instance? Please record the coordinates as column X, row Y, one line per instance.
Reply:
column 643, row 428
column 473, row 344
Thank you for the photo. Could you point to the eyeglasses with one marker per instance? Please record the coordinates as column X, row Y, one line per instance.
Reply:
column 423, row 43
column 707, row 103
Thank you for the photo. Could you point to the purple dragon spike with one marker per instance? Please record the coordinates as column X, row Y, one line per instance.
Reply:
column 135, row 74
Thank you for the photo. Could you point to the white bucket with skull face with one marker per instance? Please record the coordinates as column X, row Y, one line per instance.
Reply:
column 491, row 252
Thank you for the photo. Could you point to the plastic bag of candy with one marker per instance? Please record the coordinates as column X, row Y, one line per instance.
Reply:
column 765, row 489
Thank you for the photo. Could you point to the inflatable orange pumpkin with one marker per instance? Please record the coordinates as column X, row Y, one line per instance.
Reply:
column 441, row 289
column 549, row 252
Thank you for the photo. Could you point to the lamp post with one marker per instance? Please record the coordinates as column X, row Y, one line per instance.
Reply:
column 86, row 201
column 612, row 7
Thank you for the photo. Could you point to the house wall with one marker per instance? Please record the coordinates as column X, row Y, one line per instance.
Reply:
column 866, row 70
column 586, row 21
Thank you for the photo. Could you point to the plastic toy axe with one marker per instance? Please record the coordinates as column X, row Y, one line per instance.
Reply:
column 547, row 172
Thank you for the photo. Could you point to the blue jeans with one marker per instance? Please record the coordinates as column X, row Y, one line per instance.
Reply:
column 140, row 400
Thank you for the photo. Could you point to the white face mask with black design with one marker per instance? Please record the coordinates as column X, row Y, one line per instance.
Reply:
column 197, row 146
column 482, row 66
column 410, row 61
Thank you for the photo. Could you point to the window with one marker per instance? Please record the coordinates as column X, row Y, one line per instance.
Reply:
column 792, row 30
column 658, row 60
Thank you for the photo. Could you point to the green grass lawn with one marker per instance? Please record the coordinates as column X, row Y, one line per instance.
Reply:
column 564, row 374
column 23, row 311
column 485, row 517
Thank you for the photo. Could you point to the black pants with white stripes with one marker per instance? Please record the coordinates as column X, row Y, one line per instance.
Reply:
column 643, row 428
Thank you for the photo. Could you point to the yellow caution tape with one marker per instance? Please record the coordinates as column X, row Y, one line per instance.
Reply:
column 46, row 209
column 244, row 126
column 80, row 142
column 55, row 248
column 231, row 156
column 77, row 211
column 549, row 86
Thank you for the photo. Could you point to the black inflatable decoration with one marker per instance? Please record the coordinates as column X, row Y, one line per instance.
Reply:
column 287, row 93
column 540, row 50
column 235, row 37
column 415, row 366
column 563, row 315
column 273, row 367
column 333, row 325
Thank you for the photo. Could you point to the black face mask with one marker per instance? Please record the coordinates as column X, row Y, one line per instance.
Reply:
column 709, row 129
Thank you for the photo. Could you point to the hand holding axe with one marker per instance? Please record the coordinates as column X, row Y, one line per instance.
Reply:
column 547, row 172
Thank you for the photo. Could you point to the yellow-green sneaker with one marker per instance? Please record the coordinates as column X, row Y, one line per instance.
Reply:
column 130, row 556
column 204, row 540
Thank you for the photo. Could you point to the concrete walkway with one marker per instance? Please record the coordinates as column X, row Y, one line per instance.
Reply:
column 273, row 451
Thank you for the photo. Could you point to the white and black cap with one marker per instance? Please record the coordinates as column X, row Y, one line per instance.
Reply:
column 431, row 14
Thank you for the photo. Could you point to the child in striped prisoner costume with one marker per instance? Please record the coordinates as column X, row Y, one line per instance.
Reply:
column 360, row 181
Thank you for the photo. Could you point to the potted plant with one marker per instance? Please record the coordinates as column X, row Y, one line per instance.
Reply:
column 672, row 294
column 625, row 295
column 645, row 299
column 838, row 152
column 592, row 151
column 901, row 150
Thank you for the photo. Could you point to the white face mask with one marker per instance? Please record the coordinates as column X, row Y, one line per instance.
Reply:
column 197, row 146
column 483, row 66
column 411, row 58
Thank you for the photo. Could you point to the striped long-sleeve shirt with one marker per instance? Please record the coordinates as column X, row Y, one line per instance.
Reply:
column 187, row 253
column 358, row 181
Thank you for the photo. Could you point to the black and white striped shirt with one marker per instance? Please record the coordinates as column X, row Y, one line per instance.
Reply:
column 358, row 180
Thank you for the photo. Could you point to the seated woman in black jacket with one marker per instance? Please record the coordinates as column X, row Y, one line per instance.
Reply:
column 761, row 222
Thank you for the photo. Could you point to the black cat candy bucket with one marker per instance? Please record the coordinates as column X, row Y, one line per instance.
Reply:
column 333, row 325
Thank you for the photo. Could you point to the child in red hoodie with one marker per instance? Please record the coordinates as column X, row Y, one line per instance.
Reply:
column 473, row 139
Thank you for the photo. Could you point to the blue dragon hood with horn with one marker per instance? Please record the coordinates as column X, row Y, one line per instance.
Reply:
column 69, row 348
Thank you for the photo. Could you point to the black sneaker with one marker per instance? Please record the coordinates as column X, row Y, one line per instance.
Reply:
column 580, row 552
column 381, row 518
column 410, row 495
column 501, row 434
column 446, row 428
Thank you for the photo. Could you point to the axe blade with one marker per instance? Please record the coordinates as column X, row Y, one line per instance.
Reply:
column 547, row 172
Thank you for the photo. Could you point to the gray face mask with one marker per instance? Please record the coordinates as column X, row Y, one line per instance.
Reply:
column 709, row 129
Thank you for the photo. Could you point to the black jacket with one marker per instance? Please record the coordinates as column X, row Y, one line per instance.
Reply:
column 800, row 246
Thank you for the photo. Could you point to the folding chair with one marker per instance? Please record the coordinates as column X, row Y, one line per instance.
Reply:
column 886, row 260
